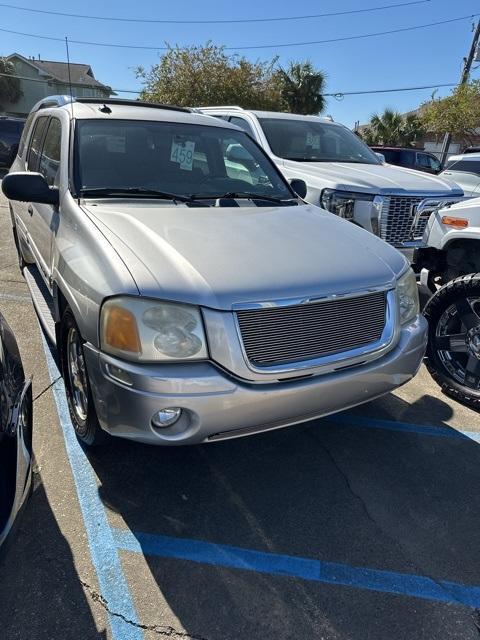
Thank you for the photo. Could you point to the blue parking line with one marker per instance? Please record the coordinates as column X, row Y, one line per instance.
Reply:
column 331, row 573
column 104, row 553
column 352, row 420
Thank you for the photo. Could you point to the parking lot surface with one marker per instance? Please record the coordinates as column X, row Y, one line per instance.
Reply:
column 358, row 526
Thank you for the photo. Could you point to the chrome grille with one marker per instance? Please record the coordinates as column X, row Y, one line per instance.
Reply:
column 396, row 219
column 279, row 335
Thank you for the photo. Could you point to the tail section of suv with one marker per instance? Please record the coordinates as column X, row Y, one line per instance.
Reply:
column 10, row 132
column 342, row 174
column 192, row 295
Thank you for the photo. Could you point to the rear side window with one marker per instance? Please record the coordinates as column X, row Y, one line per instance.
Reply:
column 467, row 166
column 50, row 158
column 36, row 144
column 408, row 158
column 26, row 130
column 9, row 126
column 391, row 156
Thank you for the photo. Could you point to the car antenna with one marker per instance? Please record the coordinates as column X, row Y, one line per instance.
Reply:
column 69, row 75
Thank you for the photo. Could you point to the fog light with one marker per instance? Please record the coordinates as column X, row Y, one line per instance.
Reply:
column 166, row 417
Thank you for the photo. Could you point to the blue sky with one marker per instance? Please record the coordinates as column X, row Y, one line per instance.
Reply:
column 427, row 56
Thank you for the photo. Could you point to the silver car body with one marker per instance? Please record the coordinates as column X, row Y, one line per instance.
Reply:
column 244, row 258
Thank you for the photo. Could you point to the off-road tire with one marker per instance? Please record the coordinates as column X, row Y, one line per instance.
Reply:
column 460, row 288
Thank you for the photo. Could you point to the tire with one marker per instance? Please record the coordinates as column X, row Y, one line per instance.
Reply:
column 77, row 385
column 453, row 351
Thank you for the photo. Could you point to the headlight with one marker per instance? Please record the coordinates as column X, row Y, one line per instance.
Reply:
column 342, row 203
column 150, row 331
column 407, row 293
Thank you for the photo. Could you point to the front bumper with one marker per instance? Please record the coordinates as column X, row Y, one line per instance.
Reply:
column 217, row 406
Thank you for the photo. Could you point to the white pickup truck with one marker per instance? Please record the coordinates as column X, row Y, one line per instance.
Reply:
column 342, row 174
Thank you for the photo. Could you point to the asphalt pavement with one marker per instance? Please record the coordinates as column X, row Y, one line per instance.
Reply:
column 362, row 526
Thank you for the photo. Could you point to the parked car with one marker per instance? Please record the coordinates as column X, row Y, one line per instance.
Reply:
column 192, row 295
column 449, row 266
column 410, row 158
column 465, row 171
column 343, row 175
column 15, row 432
column 10, row 132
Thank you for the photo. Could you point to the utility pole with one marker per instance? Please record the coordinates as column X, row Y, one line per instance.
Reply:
column 463, row 80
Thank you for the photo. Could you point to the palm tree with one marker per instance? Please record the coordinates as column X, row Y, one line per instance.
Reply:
column 303, row 88
column 387, row 127
column 10, row 91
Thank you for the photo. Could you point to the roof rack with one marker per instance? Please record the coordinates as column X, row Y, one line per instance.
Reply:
column 61, row 100
column 221, row 106
column 131, row 103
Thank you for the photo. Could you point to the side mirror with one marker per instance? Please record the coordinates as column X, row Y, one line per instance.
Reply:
column 29, row 187
column 381, row 157
column 299, row 186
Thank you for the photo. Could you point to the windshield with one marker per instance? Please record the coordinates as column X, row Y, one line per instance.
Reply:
column 315, row 141
column 167, row 159
column 464, row 166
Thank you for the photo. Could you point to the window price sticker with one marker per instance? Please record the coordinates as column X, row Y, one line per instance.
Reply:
column 313, row 141
column 182, row 153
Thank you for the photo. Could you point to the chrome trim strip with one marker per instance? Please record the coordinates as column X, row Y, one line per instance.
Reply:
column 359, row 355
column 293, row 302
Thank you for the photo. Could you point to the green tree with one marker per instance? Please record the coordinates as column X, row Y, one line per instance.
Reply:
column 10, row 91
column 392, row 128
column 303, row 88
column 206, row 75
column 458, row 114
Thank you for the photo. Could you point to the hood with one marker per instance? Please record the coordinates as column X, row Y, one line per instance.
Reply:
column 468, row 182
column 381, row 179
column 218, row 257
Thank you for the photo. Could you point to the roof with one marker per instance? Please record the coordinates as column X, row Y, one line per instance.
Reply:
column 81, row 74
column 131, row 111
column 263, row 114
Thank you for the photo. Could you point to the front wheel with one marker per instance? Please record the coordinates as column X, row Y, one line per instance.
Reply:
column 453, row 351
column 77, row 385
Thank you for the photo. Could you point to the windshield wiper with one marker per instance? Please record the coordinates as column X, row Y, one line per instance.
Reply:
column 242, row 194
column 140, row 191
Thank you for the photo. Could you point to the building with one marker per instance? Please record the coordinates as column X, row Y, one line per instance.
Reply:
column 41, row 78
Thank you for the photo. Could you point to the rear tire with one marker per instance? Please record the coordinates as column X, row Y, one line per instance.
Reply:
column 77, row 385
column 453, row 351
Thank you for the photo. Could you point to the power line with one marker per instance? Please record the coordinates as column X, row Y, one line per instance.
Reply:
column 239, row 21
column 340, row 94
column 337, row 94
column 242, row 48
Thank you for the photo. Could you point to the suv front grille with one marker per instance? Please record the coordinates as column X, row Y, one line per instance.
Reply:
column 281, row 335
column 396, row 220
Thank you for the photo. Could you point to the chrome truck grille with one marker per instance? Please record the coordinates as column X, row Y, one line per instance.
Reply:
column 398, row 216
column 281, row 335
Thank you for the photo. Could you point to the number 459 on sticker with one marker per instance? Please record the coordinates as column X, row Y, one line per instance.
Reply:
column 182, row 152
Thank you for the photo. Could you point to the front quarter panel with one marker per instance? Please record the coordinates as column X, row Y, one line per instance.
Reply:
column 86, row 268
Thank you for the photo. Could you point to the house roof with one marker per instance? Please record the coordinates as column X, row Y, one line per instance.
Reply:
column 81, row 74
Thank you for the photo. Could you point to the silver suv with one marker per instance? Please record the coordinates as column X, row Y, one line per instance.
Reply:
column 192, row 295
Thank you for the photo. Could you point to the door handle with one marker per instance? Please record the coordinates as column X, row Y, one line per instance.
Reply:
column 30, row 209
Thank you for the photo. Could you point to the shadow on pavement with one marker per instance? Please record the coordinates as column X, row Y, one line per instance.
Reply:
column 364, row 497
column 41, row 597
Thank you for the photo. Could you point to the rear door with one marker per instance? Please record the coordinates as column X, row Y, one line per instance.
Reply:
column 44, row 217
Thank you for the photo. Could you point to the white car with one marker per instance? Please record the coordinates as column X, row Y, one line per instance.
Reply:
column 464, row 169
column 342, row 174
column 450, row 259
